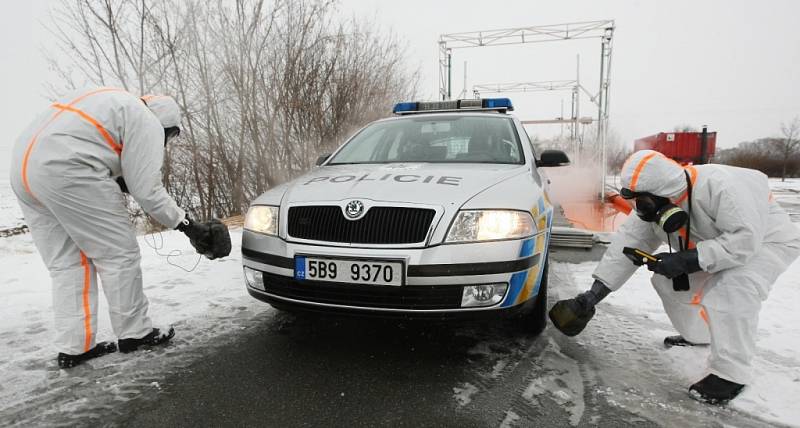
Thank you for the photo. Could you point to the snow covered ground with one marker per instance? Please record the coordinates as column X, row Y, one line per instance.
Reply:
column 205, row 306
column 776, row 389
column 775, row 392
column 10, row 214
column 788, row 195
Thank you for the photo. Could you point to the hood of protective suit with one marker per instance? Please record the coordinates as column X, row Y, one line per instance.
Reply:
column 165, row 108
column 652, row 172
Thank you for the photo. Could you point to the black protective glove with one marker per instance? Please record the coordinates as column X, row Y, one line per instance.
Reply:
column 220, row 238
column 210, row 239
column 673, row 265
column 571, row 316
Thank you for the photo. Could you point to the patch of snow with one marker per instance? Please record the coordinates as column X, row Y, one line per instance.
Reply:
column 498, row 368
column 203, row 305
column 787, row 193
column 463, row 394
column 510, row 419
column 10, row 213
column 562, row 381
column 773, row 394
column 791, row 184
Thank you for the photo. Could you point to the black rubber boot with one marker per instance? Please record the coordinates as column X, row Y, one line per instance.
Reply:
column 713, row 389
column 671, row 341
column 155, row 337
column 66, row 361
column 570, row 316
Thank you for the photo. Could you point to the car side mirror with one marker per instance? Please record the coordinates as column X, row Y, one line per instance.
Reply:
column 551, row 158
column 321, row 160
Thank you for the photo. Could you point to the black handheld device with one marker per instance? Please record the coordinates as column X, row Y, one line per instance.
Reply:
column 639, row 258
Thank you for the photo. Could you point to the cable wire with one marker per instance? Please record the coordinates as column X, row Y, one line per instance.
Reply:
column 173, row 253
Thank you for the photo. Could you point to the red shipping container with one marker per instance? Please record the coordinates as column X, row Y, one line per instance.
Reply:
column 684, row 147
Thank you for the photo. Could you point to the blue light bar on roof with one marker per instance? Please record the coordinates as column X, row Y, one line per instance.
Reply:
column 498, row 103
column 501, row 104
column 404, row 107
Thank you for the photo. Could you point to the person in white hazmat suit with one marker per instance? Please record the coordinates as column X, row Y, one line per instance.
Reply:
column 739, row 241
column 69, row 169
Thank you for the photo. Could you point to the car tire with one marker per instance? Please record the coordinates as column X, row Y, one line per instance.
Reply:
column 534, row 321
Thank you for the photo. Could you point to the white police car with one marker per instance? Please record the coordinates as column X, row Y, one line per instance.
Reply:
column 437, row 212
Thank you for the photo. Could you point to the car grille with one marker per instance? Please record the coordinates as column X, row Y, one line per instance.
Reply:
column 371, row 296
column 380, row 225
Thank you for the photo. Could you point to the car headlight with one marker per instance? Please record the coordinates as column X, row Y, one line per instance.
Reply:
column 262, row 219
column 490, row 225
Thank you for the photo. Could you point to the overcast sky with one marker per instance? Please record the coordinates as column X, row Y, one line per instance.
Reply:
column 734, row 65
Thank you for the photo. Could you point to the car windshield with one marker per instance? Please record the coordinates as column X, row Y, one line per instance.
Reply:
column 436, row 139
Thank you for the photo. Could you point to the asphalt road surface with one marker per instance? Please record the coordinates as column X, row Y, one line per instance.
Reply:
column 286, row 370
column 299, row 371
column 277, row 369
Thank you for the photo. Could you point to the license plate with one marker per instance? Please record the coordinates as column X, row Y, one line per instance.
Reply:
column 374, row 272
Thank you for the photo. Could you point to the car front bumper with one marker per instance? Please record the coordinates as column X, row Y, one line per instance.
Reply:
column 434, row 279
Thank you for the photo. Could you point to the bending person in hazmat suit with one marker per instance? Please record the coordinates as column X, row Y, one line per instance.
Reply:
column 69, row 169
column 740, row 241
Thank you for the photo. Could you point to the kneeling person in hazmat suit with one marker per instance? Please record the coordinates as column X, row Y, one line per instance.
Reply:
column 69, row 169
column 711, row 284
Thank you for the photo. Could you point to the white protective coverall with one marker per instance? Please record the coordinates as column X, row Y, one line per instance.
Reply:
column 744, row 241
column 63, row 169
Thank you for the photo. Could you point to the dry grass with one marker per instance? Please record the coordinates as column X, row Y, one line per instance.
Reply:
column 235, row 221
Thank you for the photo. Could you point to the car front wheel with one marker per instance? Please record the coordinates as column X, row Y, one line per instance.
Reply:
column 534, row 321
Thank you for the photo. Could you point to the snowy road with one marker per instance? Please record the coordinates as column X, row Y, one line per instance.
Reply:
column 204, row 305
column 238, row 361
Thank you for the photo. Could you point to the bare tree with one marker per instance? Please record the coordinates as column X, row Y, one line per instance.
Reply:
column 617, row 152
column 590, row 149
column 789, row 145
column 265, row 86
column 762, row 154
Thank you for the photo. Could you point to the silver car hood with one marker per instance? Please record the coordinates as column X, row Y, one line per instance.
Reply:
column 446, row 185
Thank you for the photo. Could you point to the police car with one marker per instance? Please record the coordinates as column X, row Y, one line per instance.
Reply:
column 439, row 211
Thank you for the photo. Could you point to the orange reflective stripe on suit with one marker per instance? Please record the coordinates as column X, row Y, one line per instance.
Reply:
column 85, row 264
column 106, row 136
column 638, row 170
column 61, row 109
column 696, row 300
column 704, row 315
column 87, row 309
column 689, row 243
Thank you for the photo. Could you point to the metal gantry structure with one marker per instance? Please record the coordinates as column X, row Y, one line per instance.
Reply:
column 603, row 30
column 548, row 85
column 572, row 86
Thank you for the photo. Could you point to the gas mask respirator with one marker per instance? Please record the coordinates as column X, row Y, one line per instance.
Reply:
column 670, row 217
column 658, row 209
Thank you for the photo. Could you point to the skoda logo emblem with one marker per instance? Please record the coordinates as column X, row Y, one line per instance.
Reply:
column 354, row 209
